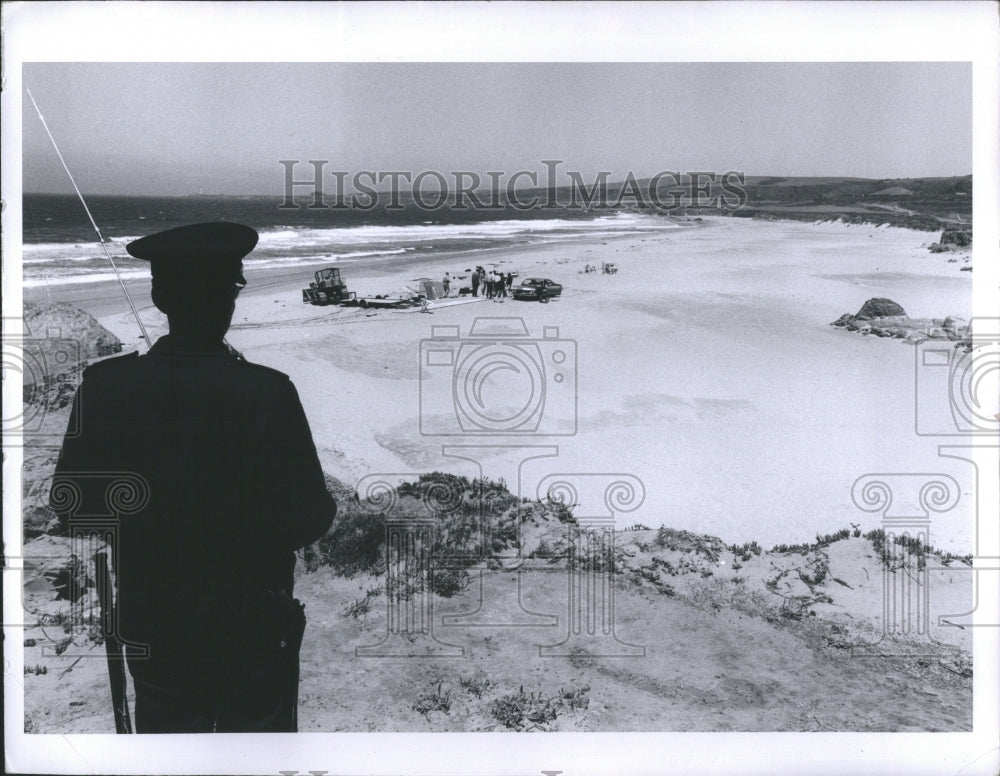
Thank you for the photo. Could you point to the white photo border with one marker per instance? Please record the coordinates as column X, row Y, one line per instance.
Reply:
column 534, row 32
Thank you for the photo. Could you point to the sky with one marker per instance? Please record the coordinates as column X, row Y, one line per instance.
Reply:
column 183, row 128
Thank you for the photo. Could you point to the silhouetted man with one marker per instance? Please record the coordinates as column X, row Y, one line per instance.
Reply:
column 204, row 569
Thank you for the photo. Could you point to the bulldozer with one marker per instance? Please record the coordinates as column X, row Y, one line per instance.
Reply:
column 328, row 288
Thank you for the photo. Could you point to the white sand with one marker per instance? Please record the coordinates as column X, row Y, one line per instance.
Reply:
column 706, row 368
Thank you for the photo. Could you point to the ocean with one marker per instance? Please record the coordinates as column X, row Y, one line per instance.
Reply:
column 61, row 247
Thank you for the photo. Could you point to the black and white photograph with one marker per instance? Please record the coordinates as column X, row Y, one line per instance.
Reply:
column 390, row 369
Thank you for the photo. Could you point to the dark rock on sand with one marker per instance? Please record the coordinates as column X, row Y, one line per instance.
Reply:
column 879, row 308
column 953, row 238
column 960, row 236
column 885, row 318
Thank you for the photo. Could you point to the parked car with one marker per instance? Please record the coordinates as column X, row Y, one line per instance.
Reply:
column 536, row 288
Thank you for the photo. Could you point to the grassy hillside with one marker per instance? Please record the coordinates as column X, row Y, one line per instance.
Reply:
column 928, row 204
column 503, row 614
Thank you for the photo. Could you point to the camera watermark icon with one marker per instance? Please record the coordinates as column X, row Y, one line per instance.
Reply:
column 595, row 499
column 905, row 501
column 409, row 545
column 49, row 368
column 957, row 384
column 90, row 505
column 498, row 380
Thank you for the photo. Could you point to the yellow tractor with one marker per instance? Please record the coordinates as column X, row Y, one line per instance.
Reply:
column 328, row 288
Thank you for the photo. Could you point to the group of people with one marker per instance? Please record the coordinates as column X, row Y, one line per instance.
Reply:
column 495, row 284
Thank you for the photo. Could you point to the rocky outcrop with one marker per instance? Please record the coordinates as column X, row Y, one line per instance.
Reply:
column 885, row 318
column 953, row 238
column 879, row 307
column 59, row 341
column 960, row 236
column 67, row 334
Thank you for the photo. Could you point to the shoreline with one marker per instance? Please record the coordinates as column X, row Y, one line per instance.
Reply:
column 100, row 298
column 685, row 218
column 688, row 341
column 104, row 298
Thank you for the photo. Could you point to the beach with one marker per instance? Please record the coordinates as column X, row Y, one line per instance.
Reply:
column 705, row 367
column 705, row 373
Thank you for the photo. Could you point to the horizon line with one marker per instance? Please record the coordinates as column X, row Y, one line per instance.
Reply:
column 524, row 189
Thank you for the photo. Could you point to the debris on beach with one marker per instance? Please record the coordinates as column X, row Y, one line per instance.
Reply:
column 885, row 318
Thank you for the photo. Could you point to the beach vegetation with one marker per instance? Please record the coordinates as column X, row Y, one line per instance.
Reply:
column 455, row 523
column 708, row 547
column 525, row 711
column 822, row 540
column 912, row 547
column 363, row 605
column 651, row 575
column 436, row 700
column 745, row 551
column 947, row 558
column 475, row 685
column 449, row 581
column 786, row 549
column 819, row 569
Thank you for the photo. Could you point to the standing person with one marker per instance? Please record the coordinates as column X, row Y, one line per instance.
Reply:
column 491, row 283
column 446, row 283
column 475, row 282
column 205, row 566
column 501, row 285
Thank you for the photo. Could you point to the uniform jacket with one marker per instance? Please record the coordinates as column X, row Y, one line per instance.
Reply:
column 234, row 485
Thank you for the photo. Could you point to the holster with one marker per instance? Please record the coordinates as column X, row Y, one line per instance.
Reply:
column 285, row 621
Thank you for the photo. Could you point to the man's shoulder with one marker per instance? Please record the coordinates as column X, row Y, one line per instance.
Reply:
column 262, row 372
column 265, row 383
column 109, row 364
column 119, row 364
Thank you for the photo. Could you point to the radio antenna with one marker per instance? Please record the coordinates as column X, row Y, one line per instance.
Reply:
column 93, row 223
